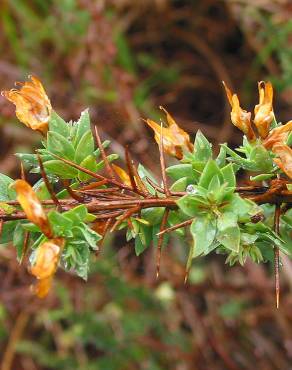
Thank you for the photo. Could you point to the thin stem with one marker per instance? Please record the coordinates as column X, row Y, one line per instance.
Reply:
column 48, row 184
column 277, row 254
column 103, row 155
column 160, row 241
column 162, row 163
column 175, row 227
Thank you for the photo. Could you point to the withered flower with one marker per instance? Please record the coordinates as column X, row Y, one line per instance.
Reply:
column 175, row 139
column 33, row 107
column 278, row 135
column 239, row 117
column 284, row 160
column 263, row 111
column 32, row 206
column 46, row 263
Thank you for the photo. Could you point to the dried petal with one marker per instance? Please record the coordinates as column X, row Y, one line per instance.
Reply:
column 32, row 207
column 263, row 111
column 47, row 258
column 122, row 174
column 278, row 135
column 239, row 117
column 284, row 160
column 175, row 139
column 42, row 287
column 33, row 107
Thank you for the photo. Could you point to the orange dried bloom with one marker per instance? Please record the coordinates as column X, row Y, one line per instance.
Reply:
column 284, row 160
column 239, row 117
column 278, row 135
column 263, row 111
column 175, row 139
column 33, row 107
column 47, row 258
column 122, row 174
column 32, row 207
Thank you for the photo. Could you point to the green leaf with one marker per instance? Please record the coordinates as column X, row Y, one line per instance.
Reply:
column 180, row 184
column 228, row 175
column 221, row 158
column 214, row 184
column 7, row 231
column 18, row 240
column 153, row 215
column 83, row 125
column 228, row 231
column 192, row 205
column 139, row 246
column 211, row 169
column 262, row 177
column 6, row 193
column 90, row 164
column 85, row 147
column 90, row 236
column 203, row 230
column 178, row 171
column 202, row 148
column 61, row 224
column 57, row 124
column 61, row 169
column 60, row 146
column 77, row 214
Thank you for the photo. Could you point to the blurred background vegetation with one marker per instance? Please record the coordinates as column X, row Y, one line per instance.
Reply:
column 122, row 59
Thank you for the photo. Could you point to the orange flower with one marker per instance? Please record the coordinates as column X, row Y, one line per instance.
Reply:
column 284, row 160
column 264, row 113
column 239, row 117
column 175, row 139
column 33, row 107
column 122, row 174
column 47, row 258
column 32, row 206
column 278, row 135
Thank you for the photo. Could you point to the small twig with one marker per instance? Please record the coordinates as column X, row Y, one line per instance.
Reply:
column 277, row 254
column 175, row 227
column 156, row 187
column 160, row 241
column 22, row 173
column 126, row 215
column 162, row 162
column 130, row 169
column 48, row 184
column 103, row 155
column 25, row 246
column 73, row 193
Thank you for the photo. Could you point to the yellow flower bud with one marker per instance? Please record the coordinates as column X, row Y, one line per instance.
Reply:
column 33, row 107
